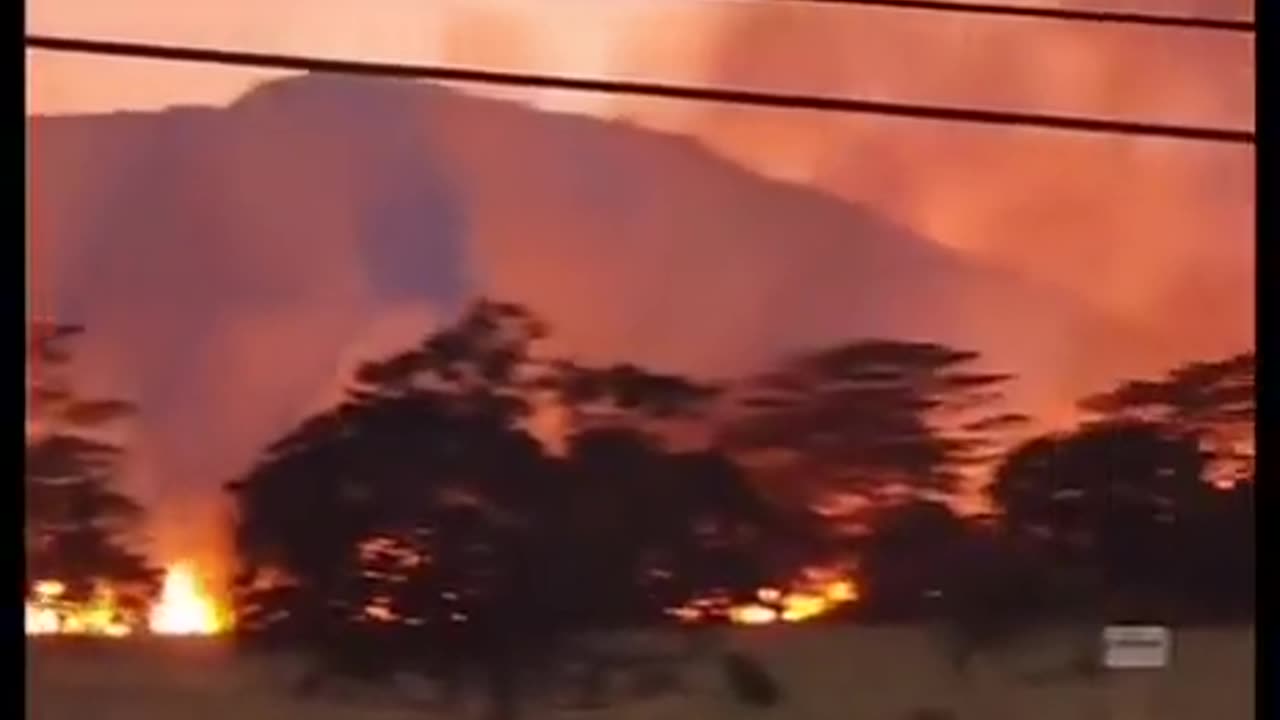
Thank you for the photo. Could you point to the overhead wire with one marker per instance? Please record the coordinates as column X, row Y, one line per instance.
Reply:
column 652, row 89
column 1041, row 12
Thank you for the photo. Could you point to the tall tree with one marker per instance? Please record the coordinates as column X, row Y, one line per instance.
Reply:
column 871, row 423
column 1213, row 401
column 80, row 528
column 1120, row 497
column 424, row 503
column 431, row 429
column 624, row 395
column 1212, row 405
column 907, row 564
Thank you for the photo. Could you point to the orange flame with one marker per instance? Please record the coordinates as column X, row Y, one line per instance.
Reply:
column 48, row 614
column 815, row 593
column 752, row 614
column 185, row 608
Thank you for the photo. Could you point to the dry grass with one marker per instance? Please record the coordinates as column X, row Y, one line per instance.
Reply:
column 836, row 673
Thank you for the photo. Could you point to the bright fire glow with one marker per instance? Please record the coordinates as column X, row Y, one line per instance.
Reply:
column 752, row 614
column 48, row 613
column 184, row 608
column 814, row 594
column 41, row 621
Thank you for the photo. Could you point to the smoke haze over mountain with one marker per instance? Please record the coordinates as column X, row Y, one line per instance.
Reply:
column 230, row 262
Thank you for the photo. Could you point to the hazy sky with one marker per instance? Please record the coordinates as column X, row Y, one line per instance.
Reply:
column 1157, row 233
column 678, row 39
column 1074, row 211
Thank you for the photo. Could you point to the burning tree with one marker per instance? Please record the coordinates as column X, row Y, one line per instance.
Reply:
column 423, row 518
column 80, row 528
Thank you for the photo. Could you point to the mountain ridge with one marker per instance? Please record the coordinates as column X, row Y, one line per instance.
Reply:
column 229, row 262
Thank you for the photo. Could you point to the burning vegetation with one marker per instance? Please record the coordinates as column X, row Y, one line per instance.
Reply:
column 816, row 593
column 431, row 505
column 184, row 607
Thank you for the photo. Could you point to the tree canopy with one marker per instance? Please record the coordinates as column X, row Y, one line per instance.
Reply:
column 80, row 527
column 493, row 503
column 424, row 501
column 873, row 422
column 1214, row 402
column 1134, row 503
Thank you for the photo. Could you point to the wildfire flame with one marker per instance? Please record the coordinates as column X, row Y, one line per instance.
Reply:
column 183, row 608
column 186, row 608
column 816, row 593
column 49, row 614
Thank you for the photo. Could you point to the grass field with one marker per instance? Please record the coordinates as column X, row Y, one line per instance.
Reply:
column 836, row 673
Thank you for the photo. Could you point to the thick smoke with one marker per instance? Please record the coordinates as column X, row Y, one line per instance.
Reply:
column 1160, row 233
column 231, row 264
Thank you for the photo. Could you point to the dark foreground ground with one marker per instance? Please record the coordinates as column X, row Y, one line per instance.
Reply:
column 841, row 673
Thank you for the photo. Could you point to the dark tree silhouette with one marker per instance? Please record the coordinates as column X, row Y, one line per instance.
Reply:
column 1207, row 560
column 404, row 505
column 1211, row 401
column 625, row 394
column 979, row 587
column 876, row 422
column 691, row 514
column 997, row 592
column 910, row 559
column 80, row 528
column 420, row 524
column 1217, row 555
column 1144, row 514
column 1118, row 497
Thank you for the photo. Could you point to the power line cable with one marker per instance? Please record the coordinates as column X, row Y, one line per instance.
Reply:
column 817, row 103
column 1117, row 17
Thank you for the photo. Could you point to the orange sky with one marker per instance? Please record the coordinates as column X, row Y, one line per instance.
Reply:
column 1074, row 211
column 1158, row 233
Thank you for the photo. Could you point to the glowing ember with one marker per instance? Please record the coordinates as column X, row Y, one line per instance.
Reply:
column 686, row 614
column 769, row 595
column 815, row 593
column 184, row 608
column 752, row 614
column 798, row 607
column 841, row 591
column 49, row 589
